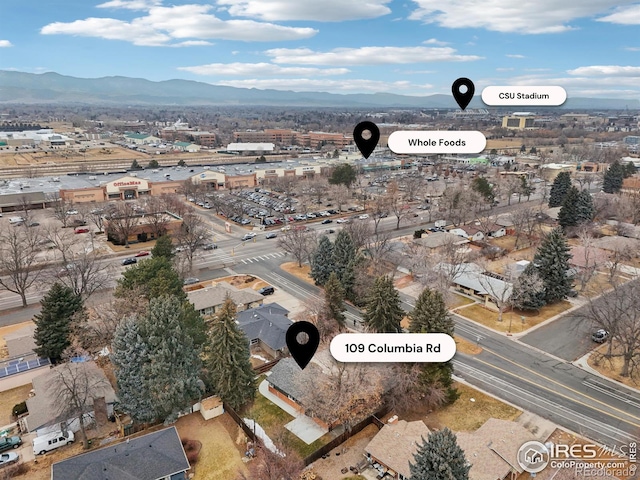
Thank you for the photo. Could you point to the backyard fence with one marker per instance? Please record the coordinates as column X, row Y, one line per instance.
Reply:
column 236, row 418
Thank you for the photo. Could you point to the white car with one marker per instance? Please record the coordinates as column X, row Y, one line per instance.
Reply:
column 364, row 216
column 72, row 212
column 342, row 220
column 7, row 458
column 286, row 228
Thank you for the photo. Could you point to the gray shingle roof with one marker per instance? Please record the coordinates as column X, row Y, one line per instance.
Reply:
column 216, row 295
column 289, row 378
column 150, row 457
column 267, row 322
column 43, row 407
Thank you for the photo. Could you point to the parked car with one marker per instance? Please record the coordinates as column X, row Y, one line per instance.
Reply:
column 271, row 235
column 33, row 224
column 7, row 443
column 51, row 441
column 8, row 458
column 364, row 216
column 129, row 261
column 72, row 212
column 191, row 280
column 286, row 228
column 209, row 246
column 269, row 290
column 342, row 220
column 600, row 336
column 82, row 230
column 143, row 253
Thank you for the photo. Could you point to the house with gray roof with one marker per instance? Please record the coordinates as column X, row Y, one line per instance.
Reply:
column 472, row 279
column 266, row 328
column 154, row 456
column 209, row 300
column 46, row 414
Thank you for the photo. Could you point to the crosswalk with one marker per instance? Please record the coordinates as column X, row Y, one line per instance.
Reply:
column 268, row 256
column 223, row 257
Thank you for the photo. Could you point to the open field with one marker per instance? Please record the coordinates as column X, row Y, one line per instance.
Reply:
column 69, row 155
column 512, row 321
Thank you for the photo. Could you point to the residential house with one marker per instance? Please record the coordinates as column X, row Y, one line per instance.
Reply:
column 588, row 258
column 496, row 231
column 154, row 456
column 492, row 449
column 186, row 147
column 472, row 279
column 437, row 240
column 506, row 222
column 394, row 446
column 515, row 269
column 46, row 414
column 470, row 232
column 616, row 243
column 209, row 300
column 266, row 328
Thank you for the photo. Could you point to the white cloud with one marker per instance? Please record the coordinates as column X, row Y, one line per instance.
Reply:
column 368, row 56
column 624, row 15
column 5, row 44
column 526, row 17
column 334, row 86
column 504, row 69
column 130, row 4
column 599, row 70
column 192, row 43
column 435, row 41
column 513, row 55
column 606, row 85
column 632, row 49
column 162, row 25
column 320, row 11
column 259, row 69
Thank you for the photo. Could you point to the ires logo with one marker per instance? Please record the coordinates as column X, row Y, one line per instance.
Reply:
column 535, row 456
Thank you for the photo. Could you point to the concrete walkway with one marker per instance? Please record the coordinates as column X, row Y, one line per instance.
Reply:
column 301, row 426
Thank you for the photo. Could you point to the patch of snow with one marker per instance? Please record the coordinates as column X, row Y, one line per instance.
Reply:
column 259, row 431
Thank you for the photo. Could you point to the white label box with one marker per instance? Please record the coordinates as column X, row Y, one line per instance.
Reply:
column 436, row 141
column 534, row 96
column 392, row 347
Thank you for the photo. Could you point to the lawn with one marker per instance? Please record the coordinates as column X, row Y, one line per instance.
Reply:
column 512, row 321
column 465, row 346
column 273, row 419
column 611, row 367
column 455, row 300
column 219, row 457
column 300, row 272
column 10, row 398
column 470, row 411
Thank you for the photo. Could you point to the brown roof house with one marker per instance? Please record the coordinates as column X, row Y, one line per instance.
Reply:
column 493, row 448
column 46, row 414
column 209, row 300
column 394, row 446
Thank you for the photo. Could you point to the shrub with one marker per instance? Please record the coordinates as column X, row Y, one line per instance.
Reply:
column 19, row 409
column 419, row 233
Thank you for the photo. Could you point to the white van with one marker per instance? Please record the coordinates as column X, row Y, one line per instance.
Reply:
column 51, row 441
column 14, row 220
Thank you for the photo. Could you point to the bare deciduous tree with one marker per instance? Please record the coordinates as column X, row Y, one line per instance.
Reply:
column 18, row 260
column 122, row 221
column 298, row 243
column 193, row 234
column 282, row 464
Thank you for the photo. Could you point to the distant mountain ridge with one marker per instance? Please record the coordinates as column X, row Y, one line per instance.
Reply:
column 53, row 88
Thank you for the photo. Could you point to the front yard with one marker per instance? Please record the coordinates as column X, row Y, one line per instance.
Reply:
column 512, row 322
column 10, row 398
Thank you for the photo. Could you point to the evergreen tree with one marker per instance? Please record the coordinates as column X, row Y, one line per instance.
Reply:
column 484, row 188
column 440, row 458
column 193, row 324
column 568, row 214
column 525, row 187
column 129, row 354
column 163, row 248
column 152, row 278
column 613, row 178
column 559, row 189
column 585, row 210
column 383, row 312
column 348, row 280
column 172, row 369
column 135, row 165
column 552, row 264
column 528, row 290
column 334, row 299
column 430, row 314
column 53, row 323
column 322, row 261
column 153, row 163
column 343, row 174
column 629, row 169
column 344, row 251
column 229, row 371
column 182, row 163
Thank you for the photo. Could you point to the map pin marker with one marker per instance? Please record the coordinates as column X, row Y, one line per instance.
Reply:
column 366, row 145
column 463, row 98
column 302, row 351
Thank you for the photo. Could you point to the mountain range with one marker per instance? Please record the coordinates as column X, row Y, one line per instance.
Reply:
column 53, row 88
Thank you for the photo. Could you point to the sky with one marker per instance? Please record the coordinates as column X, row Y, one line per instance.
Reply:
column 410, row 47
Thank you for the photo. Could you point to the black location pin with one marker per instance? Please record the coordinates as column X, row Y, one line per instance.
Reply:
column 463, row 98
column 301, row 351
column 366, row 145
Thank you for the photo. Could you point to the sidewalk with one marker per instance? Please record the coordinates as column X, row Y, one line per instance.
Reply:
column 583, row 363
